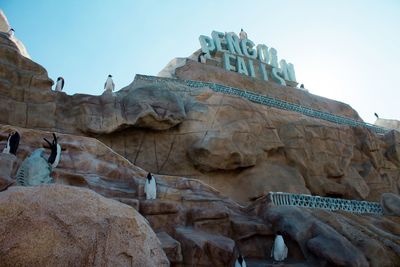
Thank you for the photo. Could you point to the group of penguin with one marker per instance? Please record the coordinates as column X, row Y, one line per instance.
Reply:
column 109, row 85
column 279, row 252
column 26, row 177
column 279, row 249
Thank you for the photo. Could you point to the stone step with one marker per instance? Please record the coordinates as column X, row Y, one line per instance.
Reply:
column 204, row 249
column 133, row 202
column 171, row 247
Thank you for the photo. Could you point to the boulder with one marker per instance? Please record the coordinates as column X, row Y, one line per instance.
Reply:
column 57, row 225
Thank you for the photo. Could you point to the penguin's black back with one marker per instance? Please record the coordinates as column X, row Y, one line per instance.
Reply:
column 149, row 177
column 14, row 142
column 240, row 260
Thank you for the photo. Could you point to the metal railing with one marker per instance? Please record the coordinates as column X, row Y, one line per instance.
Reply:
column 268, row 101
column 326, row 203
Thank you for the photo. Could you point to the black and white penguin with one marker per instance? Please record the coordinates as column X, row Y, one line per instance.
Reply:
column 240, row 262
column 11, row 32
column 36, row 169
column 150, row 187
column 12, row 143
column 59, row 84
column 242, row 34
column 279, row 249
column 202, row 57
column 376, row 115
column 55, row 154
column 109, row 84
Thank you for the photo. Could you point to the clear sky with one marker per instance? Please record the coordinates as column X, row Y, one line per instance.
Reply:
column 341, row 49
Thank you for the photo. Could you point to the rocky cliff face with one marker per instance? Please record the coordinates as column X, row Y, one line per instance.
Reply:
column 236, row 149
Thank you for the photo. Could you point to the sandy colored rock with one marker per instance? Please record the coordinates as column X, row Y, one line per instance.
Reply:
column 171, row 247
column 63, row 226
column 7, row 164
column 197, row 243
column 391, row 204
column 318, row 234
column 388, row 123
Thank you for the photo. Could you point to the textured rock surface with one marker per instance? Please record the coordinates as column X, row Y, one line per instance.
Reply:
column 391, row 124
column 57, row 225
column 317, row 234
column 391, row 204
column 7, row 163
column 194, row 70
column 241, row 148
column 5, row 27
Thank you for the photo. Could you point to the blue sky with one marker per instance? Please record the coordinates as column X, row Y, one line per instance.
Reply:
column 344, row 50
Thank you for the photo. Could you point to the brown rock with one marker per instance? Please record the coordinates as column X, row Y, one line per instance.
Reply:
column 171, row 247
column 391, row 204
column 61, row 225
column 193, row 70
column 318, row 234
column 7, row 164
column 154, row 207
column 134, row 203
column 203, row 249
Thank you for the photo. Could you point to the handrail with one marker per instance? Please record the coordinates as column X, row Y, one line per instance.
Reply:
column 269, row 101
column 326, row 203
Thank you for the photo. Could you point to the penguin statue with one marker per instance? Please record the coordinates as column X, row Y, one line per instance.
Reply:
column 12, row 143
column 36, row 169
column 150, row 187
column 279, row 250
column 240, row 262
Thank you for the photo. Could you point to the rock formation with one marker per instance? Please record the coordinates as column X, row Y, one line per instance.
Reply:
column 68, row 226
column 209, row 151
column 5, row 27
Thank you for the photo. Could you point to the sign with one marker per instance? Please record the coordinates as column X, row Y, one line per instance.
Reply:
column 243, row 56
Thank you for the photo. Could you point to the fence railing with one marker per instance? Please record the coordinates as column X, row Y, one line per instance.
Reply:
column 326, row 203
column 268, row 101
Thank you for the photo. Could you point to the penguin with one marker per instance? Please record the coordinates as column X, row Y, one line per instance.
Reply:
column 279, row 249
column 36, row 169
column 11, row 32
column 242, row 34
column 150, row 187
column 301, row 85
column 55, row 154
column 109, row 85
column 376, row 115
column 240, row 262
column 59, row 84
column 12, row 143
column 202, row 57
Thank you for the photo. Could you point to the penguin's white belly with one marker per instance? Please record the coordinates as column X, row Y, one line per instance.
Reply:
column 150, row 189
column 280, row 250
column 237, row 264
column 109, row 86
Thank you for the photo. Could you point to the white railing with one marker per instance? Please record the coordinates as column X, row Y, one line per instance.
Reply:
column 269, row 101
column 326, row 203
